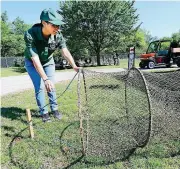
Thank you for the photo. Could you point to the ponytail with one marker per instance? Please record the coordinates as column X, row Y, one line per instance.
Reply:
column 37, row 25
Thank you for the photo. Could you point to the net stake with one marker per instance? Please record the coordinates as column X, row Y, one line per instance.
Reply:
column 28, row 113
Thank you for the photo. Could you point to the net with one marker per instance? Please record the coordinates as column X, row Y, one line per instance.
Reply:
column 164, row 92
column 111, row 116
column 126, row 110
column 115, row 114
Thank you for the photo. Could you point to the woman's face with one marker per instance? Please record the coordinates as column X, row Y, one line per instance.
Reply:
column 51, row 28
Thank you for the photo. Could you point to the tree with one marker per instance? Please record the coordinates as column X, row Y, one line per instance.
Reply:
column 148, row 37
column 98, row 25
column 166, row 38
column 176, row 36
column 12, row 36
column 19, row 27
column 11, row 44
column 140, row 41
column 4, row 17
column 4, row 36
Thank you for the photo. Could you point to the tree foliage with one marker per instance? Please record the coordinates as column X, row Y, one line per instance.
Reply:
column 12, row 36
column 19, row 27
column 4, row 16
column 98, row 25
column 176, row 36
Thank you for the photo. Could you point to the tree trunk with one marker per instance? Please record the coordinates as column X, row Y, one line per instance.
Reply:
column 98, row 58
column 6, row 62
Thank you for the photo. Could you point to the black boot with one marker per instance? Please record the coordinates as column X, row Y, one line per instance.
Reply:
column 57, row 114
column 46, row 118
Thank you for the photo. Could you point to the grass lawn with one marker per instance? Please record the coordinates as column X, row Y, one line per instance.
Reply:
column 16, row 71
column 58, row 144
column 12, row 71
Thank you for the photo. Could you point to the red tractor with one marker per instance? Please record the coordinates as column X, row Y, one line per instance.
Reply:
column 161, row 52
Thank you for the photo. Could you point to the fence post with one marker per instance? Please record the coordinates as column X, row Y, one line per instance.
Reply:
column 28, row 113
column 131, row 58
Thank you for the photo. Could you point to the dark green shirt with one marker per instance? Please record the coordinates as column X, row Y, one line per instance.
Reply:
column 44, row 48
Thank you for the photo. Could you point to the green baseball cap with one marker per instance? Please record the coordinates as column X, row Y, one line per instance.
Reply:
column 51, row 16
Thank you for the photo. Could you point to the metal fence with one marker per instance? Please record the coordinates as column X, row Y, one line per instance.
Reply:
column 12, row 62
column 19, row 61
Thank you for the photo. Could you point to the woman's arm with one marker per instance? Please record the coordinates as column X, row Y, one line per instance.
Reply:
column 67, row 55
column 37, row 64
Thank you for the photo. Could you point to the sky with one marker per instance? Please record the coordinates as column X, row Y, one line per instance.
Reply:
column 160, row 18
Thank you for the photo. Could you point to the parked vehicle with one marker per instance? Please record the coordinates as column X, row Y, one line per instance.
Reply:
column 161, row 52
column 62, row 64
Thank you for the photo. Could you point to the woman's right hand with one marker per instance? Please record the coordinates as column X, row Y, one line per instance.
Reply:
column 49, row 85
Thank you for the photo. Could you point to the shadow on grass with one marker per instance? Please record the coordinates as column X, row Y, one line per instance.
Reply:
column 63, row 150
column 19, row 69
column 18, row 137
column 77, row 159
column 15, row 113
column 80, row 157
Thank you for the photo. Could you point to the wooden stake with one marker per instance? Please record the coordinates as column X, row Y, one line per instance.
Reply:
column 28, row 113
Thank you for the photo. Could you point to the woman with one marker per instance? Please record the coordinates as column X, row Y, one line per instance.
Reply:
column 41, row 41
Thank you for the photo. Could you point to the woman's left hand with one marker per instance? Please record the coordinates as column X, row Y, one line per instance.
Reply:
column 76, row 68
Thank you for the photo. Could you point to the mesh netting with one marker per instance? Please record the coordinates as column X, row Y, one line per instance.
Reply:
column 122, row 111
column 164, row 89
column 114, row 114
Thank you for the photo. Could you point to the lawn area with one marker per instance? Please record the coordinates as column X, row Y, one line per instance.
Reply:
column 58, row 144
column 17, row 71
column 12, row 71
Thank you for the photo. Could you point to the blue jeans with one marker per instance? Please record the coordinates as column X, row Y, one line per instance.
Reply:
column 40, row 88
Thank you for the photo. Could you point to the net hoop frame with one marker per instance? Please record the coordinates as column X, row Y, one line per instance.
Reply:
column 149, row 102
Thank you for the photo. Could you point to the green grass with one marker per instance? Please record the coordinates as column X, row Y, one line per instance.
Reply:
column 59, row 143
column 123, row 64
column 12, row 71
